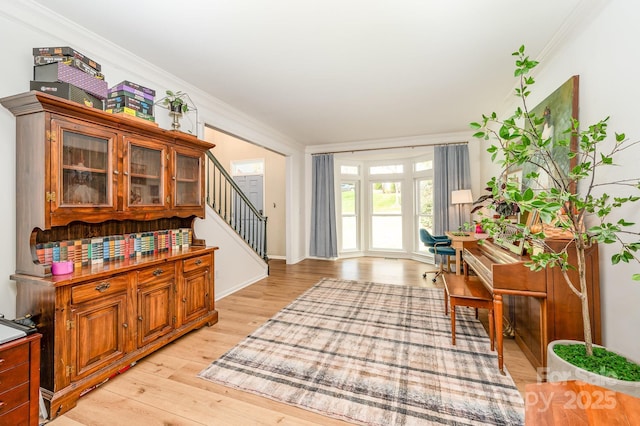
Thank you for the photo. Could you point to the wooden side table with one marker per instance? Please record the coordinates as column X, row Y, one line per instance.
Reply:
column 20, row 381
column 578, row 403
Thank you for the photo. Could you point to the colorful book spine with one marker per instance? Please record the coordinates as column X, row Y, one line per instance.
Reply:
column 40, row 252
column 55, row 253
column 77, row 258
column 97, row 250
column 48, row 253
column 86, row 244
column 138, row 245
column 64, row 251
column 87, row 251
column 69, row 251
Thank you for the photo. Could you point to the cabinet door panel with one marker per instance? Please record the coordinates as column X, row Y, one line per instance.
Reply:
column 98, row 334
column 83, row 171
column 156, row 309
column 145, row 163
column 195, row 295
column 187, row 177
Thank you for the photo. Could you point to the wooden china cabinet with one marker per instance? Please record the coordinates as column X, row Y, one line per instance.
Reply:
column 83, row 174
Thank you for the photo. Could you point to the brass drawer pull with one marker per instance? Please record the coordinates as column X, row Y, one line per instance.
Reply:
column 103, row 286
column 199, row 262
column 157, row 272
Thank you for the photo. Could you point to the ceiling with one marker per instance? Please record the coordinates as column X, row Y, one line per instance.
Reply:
column 332, row 71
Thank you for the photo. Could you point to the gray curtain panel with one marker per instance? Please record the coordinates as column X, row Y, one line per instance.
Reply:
column 324, row 237
column 450, row 172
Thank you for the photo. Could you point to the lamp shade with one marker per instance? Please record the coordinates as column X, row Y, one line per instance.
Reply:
column 462, row 196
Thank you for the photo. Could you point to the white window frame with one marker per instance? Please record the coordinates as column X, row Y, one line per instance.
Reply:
column 357, row 180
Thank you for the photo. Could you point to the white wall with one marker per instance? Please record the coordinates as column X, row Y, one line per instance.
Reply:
column 24, row 26
column 604, row 54
column 230, row 276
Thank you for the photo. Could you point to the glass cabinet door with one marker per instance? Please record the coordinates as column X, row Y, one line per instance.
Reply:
column 82, row 166
column 187, row 179
column 146, row 172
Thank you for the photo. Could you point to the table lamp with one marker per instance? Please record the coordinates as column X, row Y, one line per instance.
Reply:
column 459, row 197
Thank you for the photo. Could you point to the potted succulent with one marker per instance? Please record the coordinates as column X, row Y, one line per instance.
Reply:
column 573, row 200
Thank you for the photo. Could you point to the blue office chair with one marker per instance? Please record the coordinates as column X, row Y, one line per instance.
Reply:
column 439, row 245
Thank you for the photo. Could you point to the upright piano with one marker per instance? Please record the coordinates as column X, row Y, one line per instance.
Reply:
column 539, row 306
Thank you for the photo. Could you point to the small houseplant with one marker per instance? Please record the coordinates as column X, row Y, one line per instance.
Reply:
column 583, row 214
column 175, row 102
column 492, row 201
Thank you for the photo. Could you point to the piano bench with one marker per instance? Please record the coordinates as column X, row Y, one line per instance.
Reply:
column 466, row 291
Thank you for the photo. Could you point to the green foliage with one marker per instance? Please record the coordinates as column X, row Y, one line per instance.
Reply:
column 175, row 101
column 517, row 140
column 603, row 362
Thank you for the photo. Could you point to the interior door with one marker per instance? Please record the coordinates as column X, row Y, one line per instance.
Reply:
column 252, row 186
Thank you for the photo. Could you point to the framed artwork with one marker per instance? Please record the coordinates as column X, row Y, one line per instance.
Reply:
column 557, row 110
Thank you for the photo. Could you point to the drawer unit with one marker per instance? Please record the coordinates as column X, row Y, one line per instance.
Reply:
column 196, row 263
column 102, row 288
column 20, row 381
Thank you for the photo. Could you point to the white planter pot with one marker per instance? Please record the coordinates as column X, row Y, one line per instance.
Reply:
column 559, row 370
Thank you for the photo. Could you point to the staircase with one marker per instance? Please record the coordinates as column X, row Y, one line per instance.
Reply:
column 232, row 205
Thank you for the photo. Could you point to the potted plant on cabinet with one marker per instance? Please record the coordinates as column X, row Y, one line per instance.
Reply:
column 177, row 103
column 572, row 201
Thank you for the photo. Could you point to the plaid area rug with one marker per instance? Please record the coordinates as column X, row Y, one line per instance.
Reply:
column 374, row 354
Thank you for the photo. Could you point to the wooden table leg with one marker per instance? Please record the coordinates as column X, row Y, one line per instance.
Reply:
column 491, row 328
column 497, row 306
column 453, row 323
column 446, row 301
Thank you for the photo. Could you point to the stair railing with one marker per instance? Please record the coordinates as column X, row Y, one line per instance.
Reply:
column 226, row 198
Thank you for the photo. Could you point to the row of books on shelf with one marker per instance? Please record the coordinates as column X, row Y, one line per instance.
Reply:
column 89, row 251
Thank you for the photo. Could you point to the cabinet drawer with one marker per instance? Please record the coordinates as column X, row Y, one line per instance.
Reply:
column 9, row 358
column 159, row 273
column 17, row 417
column 196, row 262
column 14, row 376
column 13, row 397
column 96, row 289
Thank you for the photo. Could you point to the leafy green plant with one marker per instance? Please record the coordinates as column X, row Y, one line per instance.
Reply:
column 603, row 362
column 492, row 201
column 175, row 101
column 518, row 140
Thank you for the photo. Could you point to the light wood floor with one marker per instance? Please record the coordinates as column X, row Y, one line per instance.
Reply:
column 163, row 389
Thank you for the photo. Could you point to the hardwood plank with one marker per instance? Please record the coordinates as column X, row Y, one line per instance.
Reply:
column 163, row 388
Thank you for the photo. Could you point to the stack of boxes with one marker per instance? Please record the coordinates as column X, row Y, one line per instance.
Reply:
column 67, row 73
column 131, row 99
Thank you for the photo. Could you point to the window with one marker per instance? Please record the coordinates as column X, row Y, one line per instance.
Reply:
column 349, row 170
column 386, row 169
column 421, row 166
column 423, row 191
column 386, row 215
column 383, row 203
column 247, row 167
column 350, row 222
column 424, row 204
